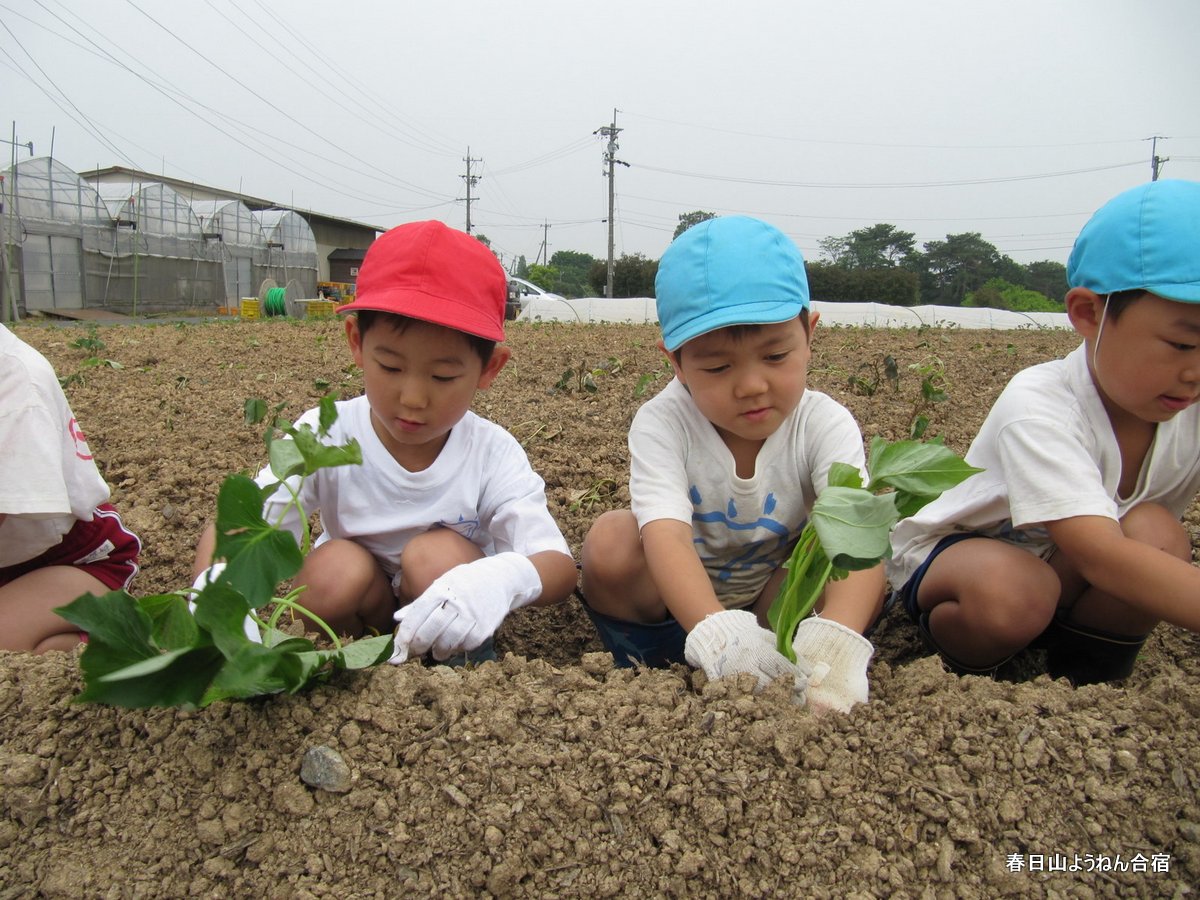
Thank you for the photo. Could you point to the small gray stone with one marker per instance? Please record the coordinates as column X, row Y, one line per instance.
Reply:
column 324, row 768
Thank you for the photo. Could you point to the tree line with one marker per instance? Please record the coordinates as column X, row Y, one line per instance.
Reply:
column 880, row 263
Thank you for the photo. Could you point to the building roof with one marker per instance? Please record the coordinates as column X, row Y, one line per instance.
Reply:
column 189, row 188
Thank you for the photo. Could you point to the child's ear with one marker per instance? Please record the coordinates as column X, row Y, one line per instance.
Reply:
column 500, row 356
column 354, row 339
column 1085, row 309
column 671, row 359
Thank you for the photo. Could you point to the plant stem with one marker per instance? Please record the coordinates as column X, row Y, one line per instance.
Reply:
column 289, row 602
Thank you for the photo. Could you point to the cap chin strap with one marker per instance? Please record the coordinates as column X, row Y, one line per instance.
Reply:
column 1100, row 331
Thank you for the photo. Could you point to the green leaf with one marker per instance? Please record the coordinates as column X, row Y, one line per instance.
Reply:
column 252, row 671
column 808, row 570
column 180, row 680
column 285, row 458
column 323, row 456
column 221, row 610
column 173, row 625
column 254, row 410
column 910, row 504
column 118, row 630
column 328, row 414
column 853, row 526
column 366, row 652
column 844, row 475
column 259, row 556
column 916, row 467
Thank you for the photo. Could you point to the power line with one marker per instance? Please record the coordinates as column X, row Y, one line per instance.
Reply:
column 884, row 185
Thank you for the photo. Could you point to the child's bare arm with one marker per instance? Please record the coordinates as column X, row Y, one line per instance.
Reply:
column 557, row 571
column 855, row 601
column 1143, row 576
column 206, row 546
column 678, row 573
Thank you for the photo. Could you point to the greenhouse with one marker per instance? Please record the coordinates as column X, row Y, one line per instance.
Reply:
column 242, row 245
column 51, row 224
column 291, row 261
column 159, row 258
column 141, row 247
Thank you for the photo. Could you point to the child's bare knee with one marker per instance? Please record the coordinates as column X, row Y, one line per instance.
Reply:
column 432, row 554
column 611, row 550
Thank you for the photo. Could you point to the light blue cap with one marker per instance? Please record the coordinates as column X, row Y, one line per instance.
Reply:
column 731, row 270
column 1147, row 238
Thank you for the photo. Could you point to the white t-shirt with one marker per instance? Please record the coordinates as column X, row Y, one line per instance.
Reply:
column 48, row 479
column 743, row 528
column 1049, row 453
column 481, row 485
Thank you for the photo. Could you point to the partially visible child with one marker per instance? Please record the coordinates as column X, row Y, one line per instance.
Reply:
column 60, row 538
column 444, row 528
column 1071, row 537
column 726, row 463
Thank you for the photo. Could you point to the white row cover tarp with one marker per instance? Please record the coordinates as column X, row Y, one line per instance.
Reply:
column 875, row 315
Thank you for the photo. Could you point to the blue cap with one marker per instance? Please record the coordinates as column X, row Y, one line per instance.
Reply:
column 1147, row 238
column 732, row 270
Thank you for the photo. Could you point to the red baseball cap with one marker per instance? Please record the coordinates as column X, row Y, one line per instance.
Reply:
column 432, row 272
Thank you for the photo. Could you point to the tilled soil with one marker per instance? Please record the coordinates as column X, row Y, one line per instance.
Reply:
column 550, row 773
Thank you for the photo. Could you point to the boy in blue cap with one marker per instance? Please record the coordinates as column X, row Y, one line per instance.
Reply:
column 1071, row 537
column 725, row 465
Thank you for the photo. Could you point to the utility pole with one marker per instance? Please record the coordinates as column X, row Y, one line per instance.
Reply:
column 471, row 181
column 610, row 161
column 1156, row 161
column 10, row 313
column 544, row 251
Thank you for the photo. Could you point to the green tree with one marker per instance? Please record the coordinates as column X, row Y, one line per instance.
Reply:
column 959, row 265
column 998, row 293
column 875, row 247
column 1046, row 277
column 522, row 267
column 543, row 276
column 572, row 267
column 633, row 276
column 686, row 221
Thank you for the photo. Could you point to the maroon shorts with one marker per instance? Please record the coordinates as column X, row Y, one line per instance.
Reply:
column 103, row 548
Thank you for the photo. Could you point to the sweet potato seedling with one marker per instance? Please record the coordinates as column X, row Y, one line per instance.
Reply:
column 850, row 525
column 161, row 651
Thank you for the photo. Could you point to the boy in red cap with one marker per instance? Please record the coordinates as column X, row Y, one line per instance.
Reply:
column 1071, row 537
column 444, row 528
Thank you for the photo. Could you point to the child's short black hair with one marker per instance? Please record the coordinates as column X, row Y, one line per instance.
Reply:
column 1119, row 301
column 737, row 332
column 367, row 318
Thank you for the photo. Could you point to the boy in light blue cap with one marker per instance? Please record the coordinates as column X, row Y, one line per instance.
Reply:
column 725, row 465
column 1071, row 537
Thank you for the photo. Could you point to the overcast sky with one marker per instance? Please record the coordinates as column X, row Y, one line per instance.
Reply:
column 1015, row 119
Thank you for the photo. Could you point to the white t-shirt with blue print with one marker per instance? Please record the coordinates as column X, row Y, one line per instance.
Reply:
column 743, row 528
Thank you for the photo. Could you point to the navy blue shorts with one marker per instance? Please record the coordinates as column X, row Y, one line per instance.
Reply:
column 657, row 645
column 907, row 595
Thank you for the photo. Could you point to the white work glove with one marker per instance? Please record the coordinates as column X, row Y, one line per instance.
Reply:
column 464, row 607
column 203, row 580
column 731, row 642
column 839, row 657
